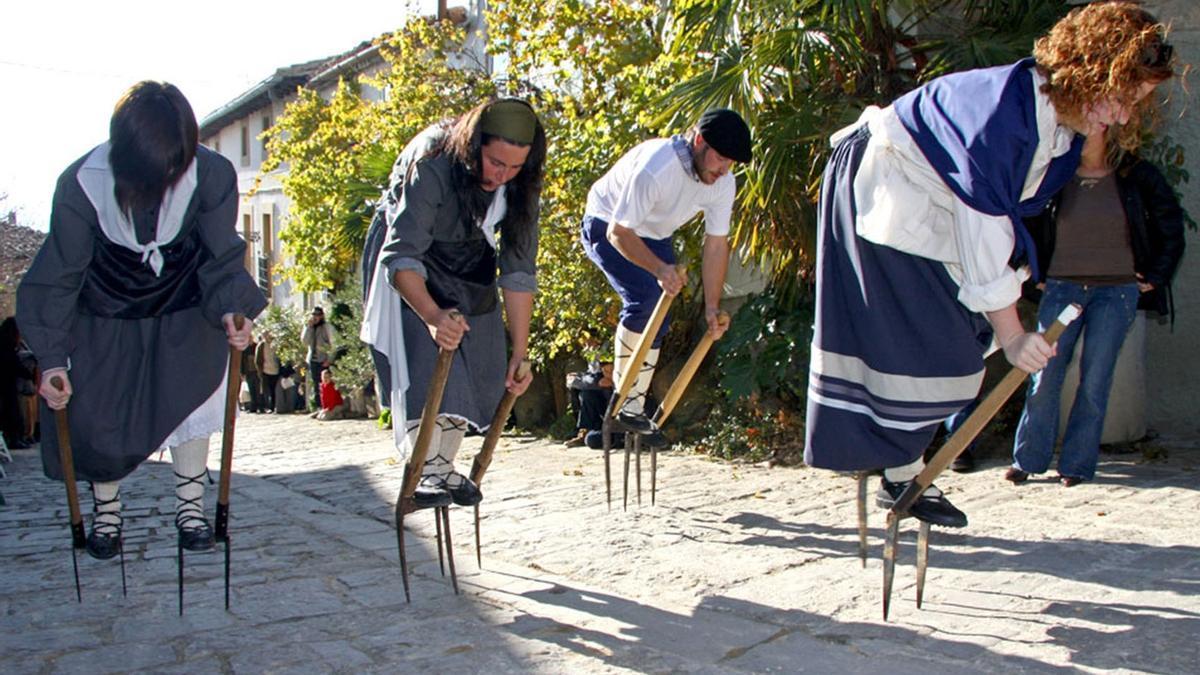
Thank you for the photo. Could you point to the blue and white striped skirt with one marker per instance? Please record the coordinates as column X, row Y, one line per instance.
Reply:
column 894, row 353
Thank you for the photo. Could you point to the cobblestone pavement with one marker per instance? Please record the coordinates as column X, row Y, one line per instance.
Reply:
column 736, row 569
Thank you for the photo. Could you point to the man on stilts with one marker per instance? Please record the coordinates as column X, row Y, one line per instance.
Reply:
column 130, row 305
column 632, row 213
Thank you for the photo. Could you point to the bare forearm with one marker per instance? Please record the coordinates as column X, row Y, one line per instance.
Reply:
column 714, row 268
column 634, row 249
column 412, row 288
column 518, row 306
column 1006, row 323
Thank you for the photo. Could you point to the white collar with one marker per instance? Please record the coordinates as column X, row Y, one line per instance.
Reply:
column 96, row 178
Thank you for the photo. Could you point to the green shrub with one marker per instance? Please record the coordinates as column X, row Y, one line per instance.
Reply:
column 763, row 366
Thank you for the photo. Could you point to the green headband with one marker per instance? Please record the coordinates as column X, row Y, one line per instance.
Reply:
column 510, row 119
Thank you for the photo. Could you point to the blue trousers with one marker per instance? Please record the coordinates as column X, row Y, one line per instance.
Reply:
column 639, row 289
column 1108, row 312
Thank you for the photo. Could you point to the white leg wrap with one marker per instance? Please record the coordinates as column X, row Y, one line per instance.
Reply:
column 106, row 507
column 453, row 431
column 190, row 463
column 907, row 472
column 626, row 343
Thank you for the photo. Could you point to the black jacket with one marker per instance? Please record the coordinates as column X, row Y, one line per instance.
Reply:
column 1155, row 231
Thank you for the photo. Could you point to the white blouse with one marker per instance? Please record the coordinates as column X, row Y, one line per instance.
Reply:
column 902, row 203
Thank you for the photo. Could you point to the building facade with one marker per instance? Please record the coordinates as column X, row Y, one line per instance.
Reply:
column 236, row 130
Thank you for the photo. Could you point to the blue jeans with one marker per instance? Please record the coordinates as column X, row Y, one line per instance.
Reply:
column 1108, row 312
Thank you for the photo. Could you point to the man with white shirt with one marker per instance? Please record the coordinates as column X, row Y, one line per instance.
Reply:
column 632, row 213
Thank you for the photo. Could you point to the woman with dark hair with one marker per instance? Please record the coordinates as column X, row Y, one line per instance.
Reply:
column 462, row 204
column 130, row 304
column 921, row 240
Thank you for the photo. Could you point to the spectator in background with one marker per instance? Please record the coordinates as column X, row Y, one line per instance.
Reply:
column 590, row 392
column 250, row 376
column 27, row 391
column 1109, row 240
column 318, row 339
column 268, row 370
column 333, row 407
column 12, row 371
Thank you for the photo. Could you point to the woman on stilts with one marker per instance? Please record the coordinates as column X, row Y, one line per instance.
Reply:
column 130, row 304
column 921, row 249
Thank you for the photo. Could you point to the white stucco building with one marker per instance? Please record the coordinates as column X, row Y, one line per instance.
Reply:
column 235, row 130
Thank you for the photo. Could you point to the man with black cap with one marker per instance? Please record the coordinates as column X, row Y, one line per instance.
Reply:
column 632, row 213
column 318, row 339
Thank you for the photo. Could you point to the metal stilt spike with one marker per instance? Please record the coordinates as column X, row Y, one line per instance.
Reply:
column 449, row 547
column 629, row 436
column 478, row 551
column 922, row 561
column 606, row 434
column 437, row 522
column 637, row 453
column 889, row 560
column 862, row 518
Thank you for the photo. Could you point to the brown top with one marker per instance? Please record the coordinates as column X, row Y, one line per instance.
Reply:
column 1092, row 243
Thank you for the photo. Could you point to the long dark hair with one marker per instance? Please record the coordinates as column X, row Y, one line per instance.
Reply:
column 153, row 134
column 463, row 141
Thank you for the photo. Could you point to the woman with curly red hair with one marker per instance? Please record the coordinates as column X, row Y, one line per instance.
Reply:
column 921, row 247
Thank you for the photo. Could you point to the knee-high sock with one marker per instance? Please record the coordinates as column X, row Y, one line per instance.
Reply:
column 190, row 462
column 448, row 434
column 453, row 429
column 106, row 507
column 907, row 472
column 626, row 343
column 414, row 429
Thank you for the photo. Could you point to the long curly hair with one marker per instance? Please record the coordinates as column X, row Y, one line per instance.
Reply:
column 1106, row 50
column 463, row 141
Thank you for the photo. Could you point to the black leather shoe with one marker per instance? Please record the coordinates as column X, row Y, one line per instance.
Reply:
column 431, row 493
column 655, row 439
column 104, row 545
column 964, row 463
column 195, row 534
column 935, row 510
column 467, row 493
column 1015, row 475
column 637, row 423
column 1070, row 481
column 595, row 440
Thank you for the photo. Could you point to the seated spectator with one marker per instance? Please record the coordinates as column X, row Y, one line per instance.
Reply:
column 333, row 407
column 590, row 393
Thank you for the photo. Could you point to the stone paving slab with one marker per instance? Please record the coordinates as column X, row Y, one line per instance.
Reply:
column 736, row 569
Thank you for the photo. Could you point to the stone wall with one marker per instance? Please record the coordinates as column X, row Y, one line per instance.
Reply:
column 1173, row 364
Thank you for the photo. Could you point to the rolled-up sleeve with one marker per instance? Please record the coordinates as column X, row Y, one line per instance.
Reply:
column 985, row 244
column 412, row 208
